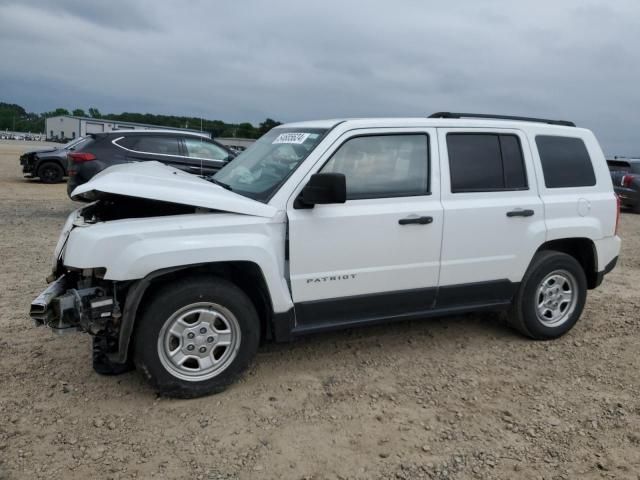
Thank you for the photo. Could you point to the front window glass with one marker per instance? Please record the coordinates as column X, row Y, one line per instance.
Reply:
column 262, row 168
column 383, row 166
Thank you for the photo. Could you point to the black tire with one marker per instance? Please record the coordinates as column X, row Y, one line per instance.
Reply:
column 523, row 315
column 50, row 172
column 174, row 298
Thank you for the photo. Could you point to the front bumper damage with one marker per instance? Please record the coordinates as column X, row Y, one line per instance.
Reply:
column 28, row 163
column 68, row 305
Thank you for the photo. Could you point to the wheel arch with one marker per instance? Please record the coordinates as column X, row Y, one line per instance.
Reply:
column 583, row 250
column 246, row 275
column 42, row 161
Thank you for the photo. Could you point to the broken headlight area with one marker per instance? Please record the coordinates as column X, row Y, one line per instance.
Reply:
column 79, row 300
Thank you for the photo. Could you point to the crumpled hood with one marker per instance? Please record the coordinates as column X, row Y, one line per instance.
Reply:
column 156, row 181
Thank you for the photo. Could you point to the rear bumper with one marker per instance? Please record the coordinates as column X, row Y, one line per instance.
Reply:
column 600, row 277
column 608, row 250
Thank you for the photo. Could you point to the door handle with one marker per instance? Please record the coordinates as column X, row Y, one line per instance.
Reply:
column 416, row 221
column 520, row 213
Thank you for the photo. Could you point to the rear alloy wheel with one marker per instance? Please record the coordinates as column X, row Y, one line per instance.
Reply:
column 50, row 172
column 551, row 296
column 557, row 297
column 196, row 337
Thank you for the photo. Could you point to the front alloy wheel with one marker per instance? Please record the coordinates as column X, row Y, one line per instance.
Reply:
column 199, row 341
column 196, row 336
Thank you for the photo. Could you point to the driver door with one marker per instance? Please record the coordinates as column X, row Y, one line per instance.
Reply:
column 377, row 256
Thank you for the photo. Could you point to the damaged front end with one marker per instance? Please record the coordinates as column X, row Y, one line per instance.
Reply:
column 78, row 301
column 81, row 299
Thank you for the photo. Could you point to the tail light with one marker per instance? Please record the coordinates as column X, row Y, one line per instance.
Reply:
column 617, row 214
column 627, row 180
column 81, row 157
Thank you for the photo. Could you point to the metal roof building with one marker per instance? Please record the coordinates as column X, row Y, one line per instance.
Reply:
column 63, row 127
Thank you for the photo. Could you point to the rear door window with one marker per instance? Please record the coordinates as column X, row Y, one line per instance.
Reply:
column 485, row 162
column 565, row 162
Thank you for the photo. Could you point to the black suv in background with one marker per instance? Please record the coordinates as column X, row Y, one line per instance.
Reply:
column 49, row 163
column 625, row 174
column 192, row 152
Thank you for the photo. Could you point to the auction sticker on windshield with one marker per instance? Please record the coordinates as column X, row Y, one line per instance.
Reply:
column 291, row 138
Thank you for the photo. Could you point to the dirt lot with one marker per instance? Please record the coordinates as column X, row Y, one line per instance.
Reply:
column 460, row 397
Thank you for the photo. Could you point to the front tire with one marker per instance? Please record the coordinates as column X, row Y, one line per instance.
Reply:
column 197, row 337
column 50, row 172
column 551, row 296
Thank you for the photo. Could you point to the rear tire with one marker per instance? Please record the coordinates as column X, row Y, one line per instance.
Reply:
column 50, row 172
column 551, row 296
column 196, row 337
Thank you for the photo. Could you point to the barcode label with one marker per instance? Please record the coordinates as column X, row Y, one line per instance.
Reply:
column 291, row 138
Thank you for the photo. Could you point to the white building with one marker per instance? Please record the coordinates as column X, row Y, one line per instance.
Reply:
column 68, row 127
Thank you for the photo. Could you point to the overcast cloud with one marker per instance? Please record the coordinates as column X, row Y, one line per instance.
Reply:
column 292, row 60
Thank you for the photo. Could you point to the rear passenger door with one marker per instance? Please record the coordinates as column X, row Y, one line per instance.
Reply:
column 494, row 219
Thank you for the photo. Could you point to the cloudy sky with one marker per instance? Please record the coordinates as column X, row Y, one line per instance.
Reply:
column 246, row 60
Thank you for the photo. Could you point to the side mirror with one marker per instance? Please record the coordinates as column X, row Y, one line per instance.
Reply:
column 323, row 188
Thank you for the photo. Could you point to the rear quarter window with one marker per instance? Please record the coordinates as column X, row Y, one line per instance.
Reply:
column 565, row 162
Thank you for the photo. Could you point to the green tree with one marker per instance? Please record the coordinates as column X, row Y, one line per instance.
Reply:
column 94, row 113
column 79, row 112
column 267, row 125
column 61, row 111
column 245, row 130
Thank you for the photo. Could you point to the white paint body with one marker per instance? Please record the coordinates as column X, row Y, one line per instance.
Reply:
column 470, row 239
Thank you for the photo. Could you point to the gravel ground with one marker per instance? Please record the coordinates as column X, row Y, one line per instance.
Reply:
column 455, row 398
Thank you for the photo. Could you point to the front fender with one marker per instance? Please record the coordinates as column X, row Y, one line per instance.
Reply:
column 134, row 249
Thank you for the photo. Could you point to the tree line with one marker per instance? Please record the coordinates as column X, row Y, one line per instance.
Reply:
column 15, row 118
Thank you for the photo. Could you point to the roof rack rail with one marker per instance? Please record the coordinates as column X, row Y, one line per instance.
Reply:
column 564, row 123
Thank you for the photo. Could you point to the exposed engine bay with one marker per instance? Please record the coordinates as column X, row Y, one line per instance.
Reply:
column 110, row 207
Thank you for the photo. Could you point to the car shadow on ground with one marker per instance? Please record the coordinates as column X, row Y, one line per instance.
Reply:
column 448, row 333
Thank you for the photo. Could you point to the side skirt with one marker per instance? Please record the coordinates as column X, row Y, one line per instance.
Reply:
column 360, row 310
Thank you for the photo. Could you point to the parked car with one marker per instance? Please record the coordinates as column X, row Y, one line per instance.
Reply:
column 625, row 174
column 192, row 152
column 49, row 163
column 333, row 224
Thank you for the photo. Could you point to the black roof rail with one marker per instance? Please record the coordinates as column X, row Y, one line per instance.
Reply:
column 564, row 123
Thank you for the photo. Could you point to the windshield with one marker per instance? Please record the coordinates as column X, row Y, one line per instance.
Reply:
column 262, row 168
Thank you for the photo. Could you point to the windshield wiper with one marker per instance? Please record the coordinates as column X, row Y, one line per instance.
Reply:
column 222, row 184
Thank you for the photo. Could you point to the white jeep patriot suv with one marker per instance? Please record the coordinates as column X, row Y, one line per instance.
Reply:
column 332, row 224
